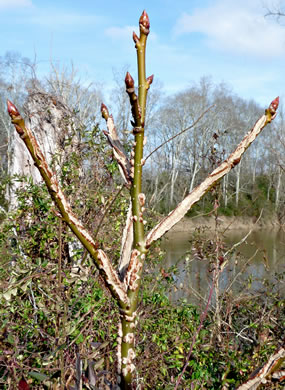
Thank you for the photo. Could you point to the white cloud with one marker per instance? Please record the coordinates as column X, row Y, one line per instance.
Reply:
column 14, row 3
column 59, row 18
column 236, row 26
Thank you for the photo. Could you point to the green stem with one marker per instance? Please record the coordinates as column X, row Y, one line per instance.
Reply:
column 143, row 85
column 129, row 318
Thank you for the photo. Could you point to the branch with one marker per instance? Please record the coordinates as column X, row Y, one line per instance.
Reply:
column 106, row 211
column 118, row 149
column 178, row 213
column 268, row 369
column 181, row 132
column 101, row 260
column 276, row 13
column 136, row 110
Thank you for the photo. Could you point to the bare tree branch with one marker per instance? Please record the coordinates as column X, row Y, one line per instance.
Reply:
column 106, row 211
column 181, row 132
column 116, row 287
column 178, row 213
column 118, row 149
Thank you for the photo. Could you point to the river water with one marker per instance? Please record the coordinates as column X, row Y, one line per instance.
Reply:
column 252, row 265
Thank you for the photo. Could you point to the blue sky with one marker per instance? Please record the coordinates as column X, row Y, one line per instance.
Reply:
column 229, row 40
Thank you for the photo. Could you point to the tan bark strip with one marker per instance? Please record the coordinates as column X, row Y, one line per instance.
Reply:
column 178, row 213
column 127, row 242
column 279, row 375
column 267, row 370
column 134, row 270
column 118, row 150
column 128, row 362
column 119, row 349
column 109, row 274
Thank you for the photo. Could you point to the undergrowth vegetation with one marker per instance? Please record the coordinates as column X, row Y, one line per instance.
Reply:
column 70, row 308
column 56, row 313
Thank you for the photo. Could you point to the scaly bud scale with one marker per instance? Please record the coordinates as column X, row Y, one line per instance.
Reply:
column 274, row 105
column 12, row 110
column 144, row 21
column 129, row 81
column 104, row 111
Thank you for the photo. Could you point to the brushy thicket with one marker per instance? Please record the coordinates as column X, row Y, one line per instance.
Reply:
column 259, row 199
column 55, row 312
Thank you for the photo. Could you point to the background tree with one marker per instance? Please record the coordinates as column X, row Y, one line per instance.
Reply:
column 124, row 284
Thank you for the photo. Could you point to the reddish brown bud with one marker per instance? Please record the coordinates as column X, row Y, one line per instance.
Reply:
column 144, row 20
column 129, row 81
column 104, row 111
column 135, row 38
column 221, row 259
column 12, row 110
column 274, row 105
column 16, row 118
column 144, row 23
column 149, row 80
column 271, row 111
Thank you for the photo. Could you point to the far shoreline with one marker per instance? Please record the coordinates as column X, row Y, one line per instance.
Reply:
column 225, row 223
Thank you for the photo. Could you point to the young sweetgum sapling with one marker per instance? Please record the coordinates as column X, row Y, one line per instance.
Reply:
column 124, row 282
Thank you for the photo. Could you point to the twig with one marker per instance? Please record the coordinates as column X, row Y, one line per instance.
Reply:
column 181, row 132
column 197, row 295
column 33, row 301
column 44, row 293
column 238, row 244
column 85, row 326
column 241, row 271
column 178, row 213
column 238, row 335
column 59, row 276
column 244, row 238
column 106, row 211
column 203, row 316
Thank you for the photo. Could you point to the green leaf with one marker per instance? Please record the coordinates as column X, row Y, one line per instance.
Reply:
column 10, row 339
column 38, row 376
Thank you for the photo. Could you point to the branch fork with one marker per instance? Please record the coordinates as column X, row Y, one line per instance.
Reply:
column 110, row 276
column 179, row 212
column 124, row 284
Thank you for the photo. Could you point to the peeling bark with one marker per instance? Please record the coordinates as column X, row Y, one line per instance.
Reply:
column 101, row 260
column 265, row 372
column 118, row 150
column 127, row 242
column 126, row 291
column 134, row 270
column 119, row 349
column 178, row 213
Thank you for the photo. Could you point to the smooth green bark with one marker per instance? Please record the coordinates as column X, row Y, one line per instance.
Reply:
column 129, row 319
